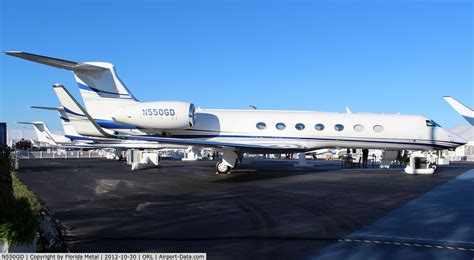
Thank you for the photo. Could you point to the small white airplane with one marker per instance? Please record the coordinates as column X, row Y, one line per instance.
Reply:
column 462, row 109
column 111, row 108
column 44, row 135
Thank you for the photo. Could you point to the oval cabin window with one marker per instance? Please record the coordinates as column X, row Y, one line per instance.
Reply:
column 261, row 125
column 319, row 127
column 299, row 126
column 280, row 126
column 358, row 128
column 378, row 128
column 338, row 127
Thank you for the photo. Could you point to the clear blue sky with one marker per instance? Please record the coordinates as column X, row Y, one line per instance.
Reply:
column 373, row 56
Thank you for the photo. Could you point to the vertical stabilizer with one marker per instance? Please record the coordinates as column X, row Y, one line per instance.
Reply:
column 66, row 123
column 42, row 132
column 102, row 90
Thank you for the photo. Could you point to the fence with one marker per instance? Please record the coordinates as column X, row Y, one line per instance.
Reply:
column 57, row 154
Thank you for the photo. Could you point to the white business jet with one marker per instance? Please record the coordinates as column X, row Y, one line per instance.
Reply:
column 44, row 135
column 112, row 109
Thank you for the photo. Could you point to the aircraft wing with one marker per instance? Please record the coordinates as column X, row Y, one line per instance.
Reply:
column 264, row 148
column 267, row 147
column 58, row 63
column 462, row 109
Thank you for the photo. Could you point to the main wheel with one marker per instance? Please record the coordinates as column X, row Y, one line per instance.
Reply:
column 434, row 166
column 222, row 168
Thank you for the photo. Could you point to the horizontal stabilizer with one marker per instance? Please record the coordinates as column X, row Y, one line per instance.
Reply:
column 58, row 63
column 47, row 108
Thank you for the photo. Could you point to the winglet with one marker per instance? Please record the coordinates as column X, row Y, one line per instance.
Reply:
column 348, row 110
column 462, row 109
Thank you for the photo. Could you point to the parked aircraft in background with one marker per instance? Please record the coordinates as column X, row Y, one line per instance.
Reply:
column 113, row 111
column 462, row 109
column 69, row 131
column 45, row 136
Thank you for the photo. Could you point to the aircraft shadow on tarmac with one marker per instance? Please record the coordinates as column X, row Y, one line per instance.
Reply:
column 260, row 170
column 250, row 174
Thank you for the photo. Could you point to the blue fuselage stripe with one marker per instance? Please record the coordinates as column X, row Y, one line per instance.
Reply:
column 423, row 143
column 98, row 91
column 67, row 110
column 416, row 143
column 109, row 124
column 64, row 119
column 75, row 137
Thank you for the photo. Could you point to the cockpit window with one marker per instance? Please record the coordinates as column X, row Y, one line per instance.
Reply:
column 431, row 123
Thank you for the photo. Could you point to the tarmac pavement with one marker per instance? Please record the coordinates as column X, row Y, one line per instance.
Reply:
column 265, row 209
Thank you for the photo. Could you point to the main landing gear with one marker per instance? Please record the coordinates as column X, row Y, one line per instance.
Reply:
column 222, row 168
column 230, row 160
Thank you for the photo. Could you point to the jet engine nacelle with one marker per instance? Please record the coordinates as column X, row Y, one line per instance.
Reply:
column 162, row 115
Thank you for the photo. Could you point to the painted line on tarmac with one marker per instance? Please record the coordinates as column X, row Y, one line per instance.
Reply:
column 406, row 244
